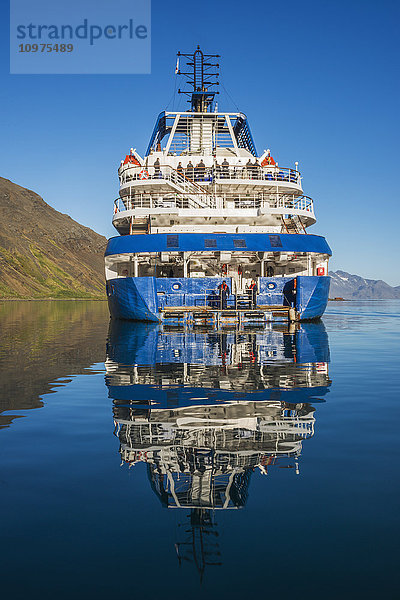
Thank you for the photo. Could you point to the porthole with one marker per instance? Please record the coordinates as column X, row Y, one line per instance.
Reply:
column 271, row 285
column 176, row 286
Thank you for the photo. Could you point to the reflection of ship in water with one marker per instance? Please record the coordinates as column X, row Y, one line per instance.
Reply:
column 205, row 410
column 186, row 367
column 202, row 457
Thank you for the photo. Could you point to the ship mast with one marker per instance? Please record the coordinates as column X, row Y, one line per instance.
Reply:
column 202, row 73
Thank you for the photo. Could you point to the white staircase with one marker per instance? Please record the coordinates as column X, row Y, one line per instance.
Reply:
column 198, row 196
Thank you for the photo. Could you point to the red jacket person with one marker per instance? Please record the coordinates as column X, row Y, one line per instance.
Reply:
column 223, row 294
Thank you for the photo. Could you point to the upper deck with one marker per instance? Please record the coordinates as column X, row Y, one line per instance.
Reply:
column 228, row 171
column 201, row 172
column 170, row 193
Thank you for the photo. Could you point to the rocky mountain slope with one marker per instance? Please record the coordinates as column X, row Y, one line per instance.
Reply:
column 351, row 287
column 44, row 253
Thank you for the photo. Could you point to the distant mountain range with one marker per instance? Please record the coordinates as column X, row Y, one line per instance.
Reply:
column 44, row 253
column 352, row 287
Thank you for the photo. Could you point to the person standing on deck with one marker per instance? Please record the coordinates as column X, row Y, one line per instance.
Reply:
column 223, row 295
column 249, row 170
column 157, row 169
column 252, row 291
column 190, row 170
column 200, row 171
column 225, row 169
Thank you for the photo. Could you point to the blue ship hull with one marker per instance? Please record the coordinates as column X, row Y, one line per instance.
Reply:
column 144, row 298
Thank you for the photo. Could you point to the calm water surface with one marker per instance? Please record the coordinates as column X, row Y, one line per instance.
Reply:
column 142, row 463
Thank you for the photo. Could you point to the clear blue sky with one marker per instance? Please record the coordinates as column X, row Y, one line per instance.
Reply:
column 318, row 81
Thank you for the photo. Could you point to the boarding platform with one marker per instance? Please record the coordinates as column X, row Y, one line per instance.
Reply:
column 194, row 316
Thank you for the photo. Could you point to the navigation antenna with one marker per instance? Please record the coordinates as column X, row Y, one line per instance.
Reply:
column 202, row 73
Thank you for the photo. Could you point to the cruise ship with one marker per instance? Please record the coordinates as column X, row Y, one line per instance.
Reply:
column 211, row 231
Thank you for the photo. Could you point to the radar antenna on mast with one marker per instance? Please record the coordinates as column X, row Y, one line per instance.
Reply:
column 202, row 73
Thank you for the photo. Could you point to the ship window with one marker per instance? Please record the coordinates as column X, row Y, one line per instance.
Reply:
column 275, row 241
column 239, row 243
column 210, row 243
column 172, row 241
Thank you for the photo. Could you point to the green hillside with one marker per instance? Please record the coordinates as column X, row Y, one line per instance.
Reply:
column 44, row 253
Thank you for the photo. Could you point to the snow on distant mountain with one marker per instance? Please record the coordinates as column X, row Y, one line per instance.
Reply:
column 345, row 285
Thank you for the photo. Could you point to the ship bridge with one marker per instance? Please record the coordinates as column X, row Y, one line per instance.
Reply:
column 202, row 133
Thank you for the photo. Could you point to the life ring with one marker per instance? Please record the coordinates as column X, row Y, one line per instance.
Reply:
column 144, row 174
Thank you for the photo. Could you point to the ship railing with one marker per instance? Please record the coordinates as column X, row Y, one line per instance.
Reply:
column 285, row 202
column 206, row 175
column 255, row 172
column 304, row 203
column 199, row 197
column 162, row 172
column 170, row 201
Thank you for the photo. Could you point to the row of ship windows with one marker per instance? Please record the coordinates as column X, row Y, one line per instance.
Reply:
column 173, row 242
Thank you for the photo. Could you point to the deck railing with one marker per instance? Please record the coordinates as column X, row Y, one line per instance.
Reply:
column 297, row 202
column 255, row 172
column 286, row 202
column 207, row 175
